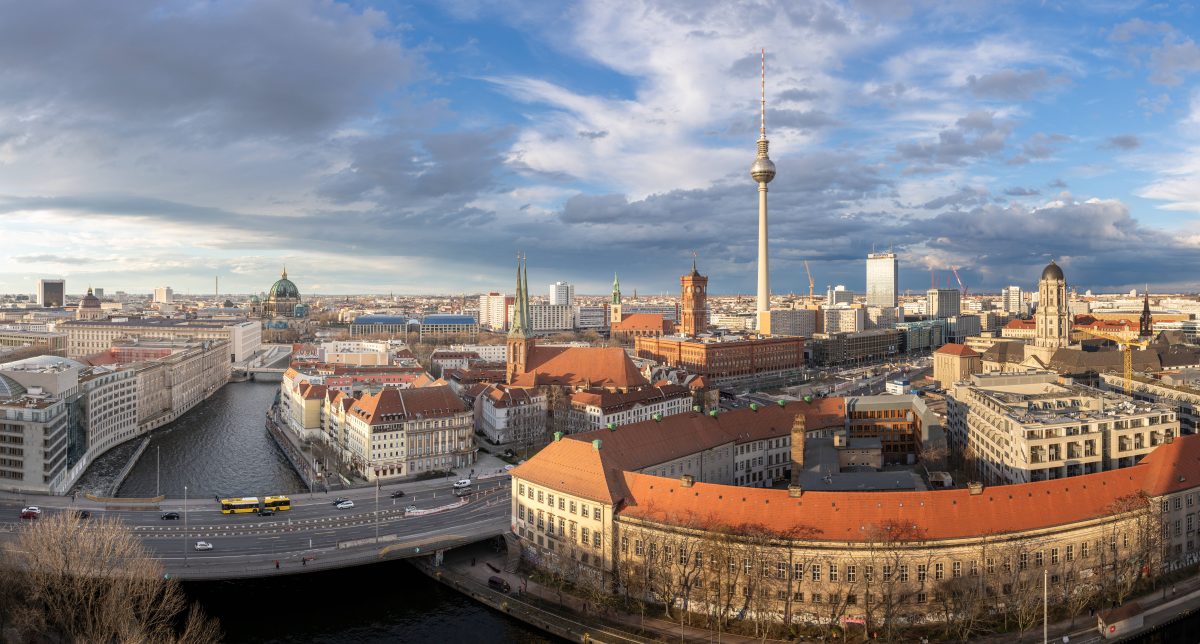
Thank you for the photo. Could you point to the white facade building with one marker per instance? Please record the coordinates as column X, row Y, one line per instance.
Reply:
column 943, row 302
column 562, row 294
column 591, row 317
column 882, row 279
column 1011, row 300
column 844, row 319
column 163, row 295
column 547, row 318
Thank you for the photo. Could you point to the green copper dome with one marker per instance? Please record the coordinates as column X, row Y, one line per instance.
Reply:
column 284, row 288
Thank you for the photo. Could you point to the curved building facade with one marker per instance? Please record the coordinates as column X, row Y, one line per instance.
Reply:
column 648, row 509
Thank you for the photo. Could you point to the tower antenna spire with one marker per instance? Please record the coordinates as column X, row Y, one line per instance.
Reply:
column 762, row 101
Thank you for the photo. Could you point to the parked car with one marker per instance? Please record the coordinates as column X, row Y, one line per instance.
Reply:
column 340, row 500
column 203, row 545
column 462, row 483
column 345, row 505
column 499, row 584
column 31, row 512
column 411, row 508
column 398, row 494
column 170, row 516
column 508, row 467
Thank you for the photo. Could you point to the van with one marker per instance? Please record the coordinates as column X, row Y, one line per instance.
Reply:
column 497, row 583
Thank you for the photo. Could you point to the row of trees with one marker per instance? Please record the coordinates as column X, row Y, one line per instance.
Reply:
column 67, row 579
column 753, row 579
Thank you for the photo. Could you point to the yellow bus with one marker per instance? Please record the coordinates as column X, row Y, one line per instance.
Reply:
column 244, row 504
column 277, row 503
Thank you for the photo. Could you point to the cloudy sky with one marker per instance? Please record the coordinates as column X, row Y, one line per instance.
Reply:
column 415, row 147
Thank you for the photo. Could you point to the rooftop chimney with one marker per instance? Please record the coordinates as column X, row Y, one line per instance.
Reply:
column 799, row 427
column 975, row 487
column 596, row 444
column 687, row 480
column 795, row 491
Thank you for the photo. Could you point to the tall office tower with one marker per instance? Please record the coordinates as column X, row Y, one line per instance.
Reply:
column 99, row 292
column 882, row 281
column 163, row 295
column 562, row 294
column 762, row 171
column 943, row 302
column 1011, row 300
column 693, row 299
column 838, row 295
column 52, row 292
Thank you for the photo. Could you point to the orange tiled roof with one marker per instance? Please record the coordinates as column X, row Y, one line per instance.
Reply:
column 641, row 445
column 642, row 322
column 588, row 366
column 961, row 350
column 939, row 514
column 1021, row 324
column 391, row 405
column 611, row 401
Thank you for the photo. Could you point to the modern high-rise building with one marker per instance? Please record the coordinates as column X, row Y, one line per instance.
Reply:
column 1011, row 300
column 52, row 292
column 562, row 294
column 835, row 295
column 882, row 281
column 763, row 171
column 163, row 295
column 943, row 302
column 99, row 292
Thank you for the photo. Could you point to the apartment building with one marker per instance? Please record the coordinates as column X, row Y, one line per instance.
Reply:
column 1023, row 427
column 404, row 432
column 85, row 337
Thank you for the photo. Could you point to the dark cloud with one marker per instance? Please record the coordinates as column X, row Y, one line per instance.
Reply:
column 964, row 197
column 1124, row 142
column 976, row 135
column 1011, row 84
column 208, row 72
column 1018, row 191
column 1042, row 145
column 595, row 209
column 797, row 95
column 593, row 135
column 800, row 120
column 1174, row 61
column 1058, row 183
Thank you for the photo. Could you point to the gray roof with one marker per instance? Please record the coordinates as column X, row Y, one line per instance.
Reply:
column 1005, row 352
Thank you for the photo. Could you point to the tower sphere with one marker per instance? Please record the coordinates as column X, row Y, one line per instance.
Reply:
column 763, row 170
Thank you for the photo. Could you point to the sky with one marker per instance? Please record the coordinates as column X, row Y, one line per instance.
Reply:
column 416, row 147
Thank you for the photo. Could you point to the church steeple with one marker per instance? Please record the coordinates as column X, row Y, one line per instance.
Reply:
column 520, row 340
column 1146, row 328
column 616, row 292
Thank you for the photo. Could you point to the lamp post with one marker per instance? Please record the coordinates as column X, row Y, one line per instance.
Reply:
column 377, row 510
column 157, row 468
column 185, row 528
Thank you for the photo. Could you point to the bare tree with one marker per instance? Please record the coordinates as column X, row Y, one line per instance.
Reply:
column 887, row 581
column 1132, row 546
column 93, row 581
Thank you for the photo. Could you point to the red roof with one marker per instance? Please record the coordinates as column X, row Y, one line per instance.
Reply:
column 1021, row 324
column 392, row 405
column 940, row 514
column 587, row 366
column 642, row 322
column 961, row 350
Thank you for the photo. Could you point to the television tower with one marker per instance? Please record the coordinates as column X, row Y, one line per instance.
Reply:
column 762, row 171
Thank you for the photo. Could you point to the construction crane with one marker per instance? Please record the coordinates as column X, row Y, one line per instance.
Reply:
column 1127, row 346
column 962, row 288
column 810, row 283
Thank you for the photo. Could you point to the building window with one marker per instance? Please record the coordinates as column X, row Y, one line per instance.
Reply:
column 573, row 507
column 887, row 572
column 816, row 598
column 596, row 513
column 816, row 572
column 920, row 572
column 1070, row 553
column 639, row 548
column 1038, row 559
column 1083, row 550
column 833, row 572
column 1054, row 556
column 596, row 539
column 922, row 598
column 583, row 533
column 904, row 572
column 798, row 572
column 956, row 569
column 939, row 572
column 869, row 573
column 550, row 500
column 851, row 573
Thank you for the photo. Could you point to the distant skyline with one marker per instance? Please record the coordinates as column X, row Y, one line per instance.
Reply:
column 416, row 147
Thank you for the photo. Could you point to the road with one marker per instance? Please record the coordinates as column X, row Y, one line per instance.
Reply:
column 313, row 534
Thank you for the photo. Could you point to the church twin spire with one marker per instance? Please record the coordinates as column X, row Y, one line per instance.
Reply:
column 520, row 321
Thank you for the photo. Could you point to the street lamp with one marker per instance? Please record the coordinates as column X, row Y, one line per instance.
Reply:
column 157, row 468
column 185, row 528
column 377, row 510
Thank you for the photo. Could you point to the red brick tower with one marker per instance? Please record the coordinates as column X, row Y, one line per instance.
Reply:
column 694, row 316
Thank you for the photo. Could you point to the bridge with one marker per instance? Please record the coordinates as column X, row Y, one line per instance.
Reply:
column 312, row 536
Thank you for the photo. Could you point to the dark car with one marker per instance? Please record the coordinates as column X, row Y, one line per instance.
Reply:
column 398, row 494
column 265, row 512
column 340, row 499
column 499, row 584
column 82, row 514
column 170, row 516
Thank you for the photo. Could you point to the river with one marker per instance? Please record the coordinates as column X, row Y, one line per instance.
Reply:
column 221, row 447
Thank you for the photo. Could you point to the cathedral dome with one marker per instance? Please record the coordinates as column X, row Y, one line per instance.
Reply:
column 283, row 288
column 1052, row 272
column 90, row 301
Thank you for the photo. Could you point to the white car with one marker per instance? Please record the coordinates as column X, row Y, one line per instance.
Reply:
column 345, row 505
column 33, row 509
column 462, row 483
column 203, row 545
column 508, row 467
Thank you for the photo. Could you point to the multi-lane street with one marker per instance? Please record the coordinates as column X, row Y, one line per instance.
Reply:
column 314, row 534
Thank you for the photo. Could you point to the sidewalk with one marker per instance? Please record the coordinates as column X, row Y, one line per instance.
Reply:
column 1160, row 607
column 622, row 626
